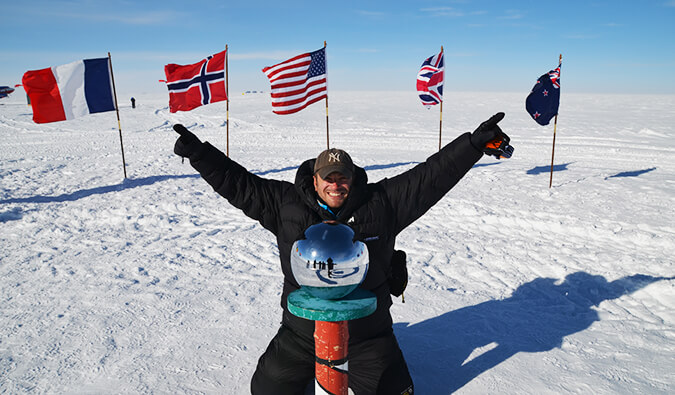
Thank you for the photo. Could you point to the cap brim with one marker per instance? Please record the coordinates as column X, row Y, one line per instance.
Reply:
column 342, row 169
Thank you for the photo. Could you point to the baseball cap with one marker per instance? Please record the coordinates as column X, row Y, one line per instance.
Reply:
column 332, row 160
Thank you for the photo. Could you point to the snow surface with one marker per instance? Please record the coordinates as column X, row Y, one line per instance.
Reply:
column 155, row 284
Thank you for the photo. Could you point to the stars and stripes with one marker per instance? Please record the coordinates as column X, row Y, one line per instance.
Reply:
column 430, row 80
column 198, row 84
column 543, row 101
column 298, row 82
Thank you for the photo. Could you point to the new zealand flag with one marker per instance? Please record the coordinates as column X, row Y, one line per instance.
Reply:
column 542, row 103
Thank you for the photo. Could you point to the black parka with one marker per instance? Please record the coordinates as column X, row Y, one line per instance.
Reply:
column 376, row 211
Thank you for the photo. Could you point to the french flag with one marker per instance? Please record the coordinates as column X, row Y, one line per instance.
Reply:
column 69, row 91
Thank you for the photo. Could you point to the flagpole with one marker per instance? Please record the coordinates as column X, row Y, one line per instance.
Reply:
column 440, row 126
column 327, row 136
column 555, row 125
column 119, row 124
column 227, row 106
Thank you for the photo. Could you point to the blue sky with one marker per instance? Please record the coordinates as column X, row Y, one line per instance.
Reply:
column 607, row 46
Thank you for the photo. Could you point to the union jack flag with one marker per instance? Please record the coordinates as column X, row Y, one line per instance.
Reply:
column 430, row 80
column 198, row 84
column 555, row 77
column 298, row 82
column 543, row 101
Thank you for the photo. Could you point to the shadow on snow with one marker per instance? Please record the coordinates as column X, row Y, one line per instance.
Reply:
column 535, row 318
column 134, row 183
column 635, row 173
column 486, row 164
column 547, row 169
column 262, row 173
column 563, row 167
column 83, row 193
column 388, row 166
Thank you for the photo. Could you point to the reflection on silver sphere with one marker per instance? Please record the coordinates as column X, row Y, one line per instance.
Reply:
column 328, row 263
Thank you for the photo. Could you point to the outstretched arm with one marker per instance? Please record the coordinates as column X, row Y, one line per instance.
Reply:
column 257, row 197
column 415, row 191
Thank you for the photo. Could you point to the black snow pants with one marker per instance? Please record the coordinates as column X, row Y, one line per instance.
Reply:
column 376, row 366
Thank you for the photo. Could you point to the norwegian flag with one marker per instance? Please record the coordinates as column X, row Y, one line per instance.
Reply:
column 430, row 80
column 298, row 82
column 194, row 85
column 543, row 101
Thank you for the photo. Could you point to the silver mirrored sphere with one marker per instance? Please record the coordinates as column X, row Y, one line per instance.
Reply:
column 328, row 263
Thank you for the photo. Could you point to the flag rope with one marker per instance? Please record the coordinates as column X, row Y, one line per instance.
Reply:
column 119, row 124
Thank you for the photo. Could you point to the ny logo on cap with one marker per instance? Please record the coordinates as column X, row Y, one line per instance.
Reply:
column 334, row 157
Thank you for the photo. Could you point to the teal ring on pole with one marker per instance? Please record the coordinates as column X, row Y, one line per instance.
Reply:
column 358, row 304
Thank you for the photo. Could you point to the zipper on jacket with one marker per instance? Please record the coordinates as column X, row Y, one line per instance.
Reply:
column 325, row 207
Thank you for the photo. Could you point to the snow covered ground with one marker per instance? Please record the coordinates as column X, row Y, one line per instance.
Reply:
column 155, row 284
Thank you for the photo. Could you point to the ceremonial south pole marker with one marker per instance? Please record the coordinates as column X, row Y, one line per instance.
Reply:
column 329, row 266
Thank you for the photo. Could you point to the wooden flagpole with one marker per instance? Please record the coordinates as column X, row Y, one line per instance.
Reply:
column 440, row 126
column 227, row 106
column 555, row 125
column 119, row 124
column 327, row 136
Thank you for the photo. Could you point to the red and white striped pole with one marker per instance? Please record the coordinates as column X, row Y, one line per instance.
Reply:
column 330, row 343
column 331, row 333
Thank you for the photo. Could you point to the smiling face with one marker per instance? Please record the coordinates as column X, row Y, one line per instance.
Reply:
column 333, row 189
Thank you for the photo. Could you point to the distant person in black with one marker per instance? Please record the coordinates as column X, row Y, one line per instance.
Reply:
column 330, row 187
column 133, row 103
column 331, row 265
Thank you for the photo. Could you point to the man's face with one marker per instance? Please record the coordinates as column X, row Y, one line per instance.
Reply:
column 333, row 189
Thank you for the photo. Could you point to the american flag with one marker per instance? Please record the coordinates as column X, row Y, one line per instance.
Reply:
column 198, row 84
column 430, row 80
column 298, row 82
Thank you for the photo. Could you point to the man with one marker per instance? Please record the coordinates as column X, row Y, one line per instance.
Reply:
column 331, row 187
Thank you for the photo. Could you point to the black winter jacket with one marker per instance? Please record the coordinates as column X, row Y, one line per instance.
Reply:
column 376, row 211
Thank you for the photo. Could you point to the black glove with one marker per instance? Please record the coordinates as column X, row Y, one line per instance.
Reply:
column 186, row 143
column 490, row 139
column 398, row 277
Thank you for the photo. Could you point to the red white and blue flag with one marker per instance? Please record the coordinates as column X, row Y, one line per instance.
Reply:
column 430, row 80
column 543, row 101
column 71, row 90
column 298, row 82
column 198, row 84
